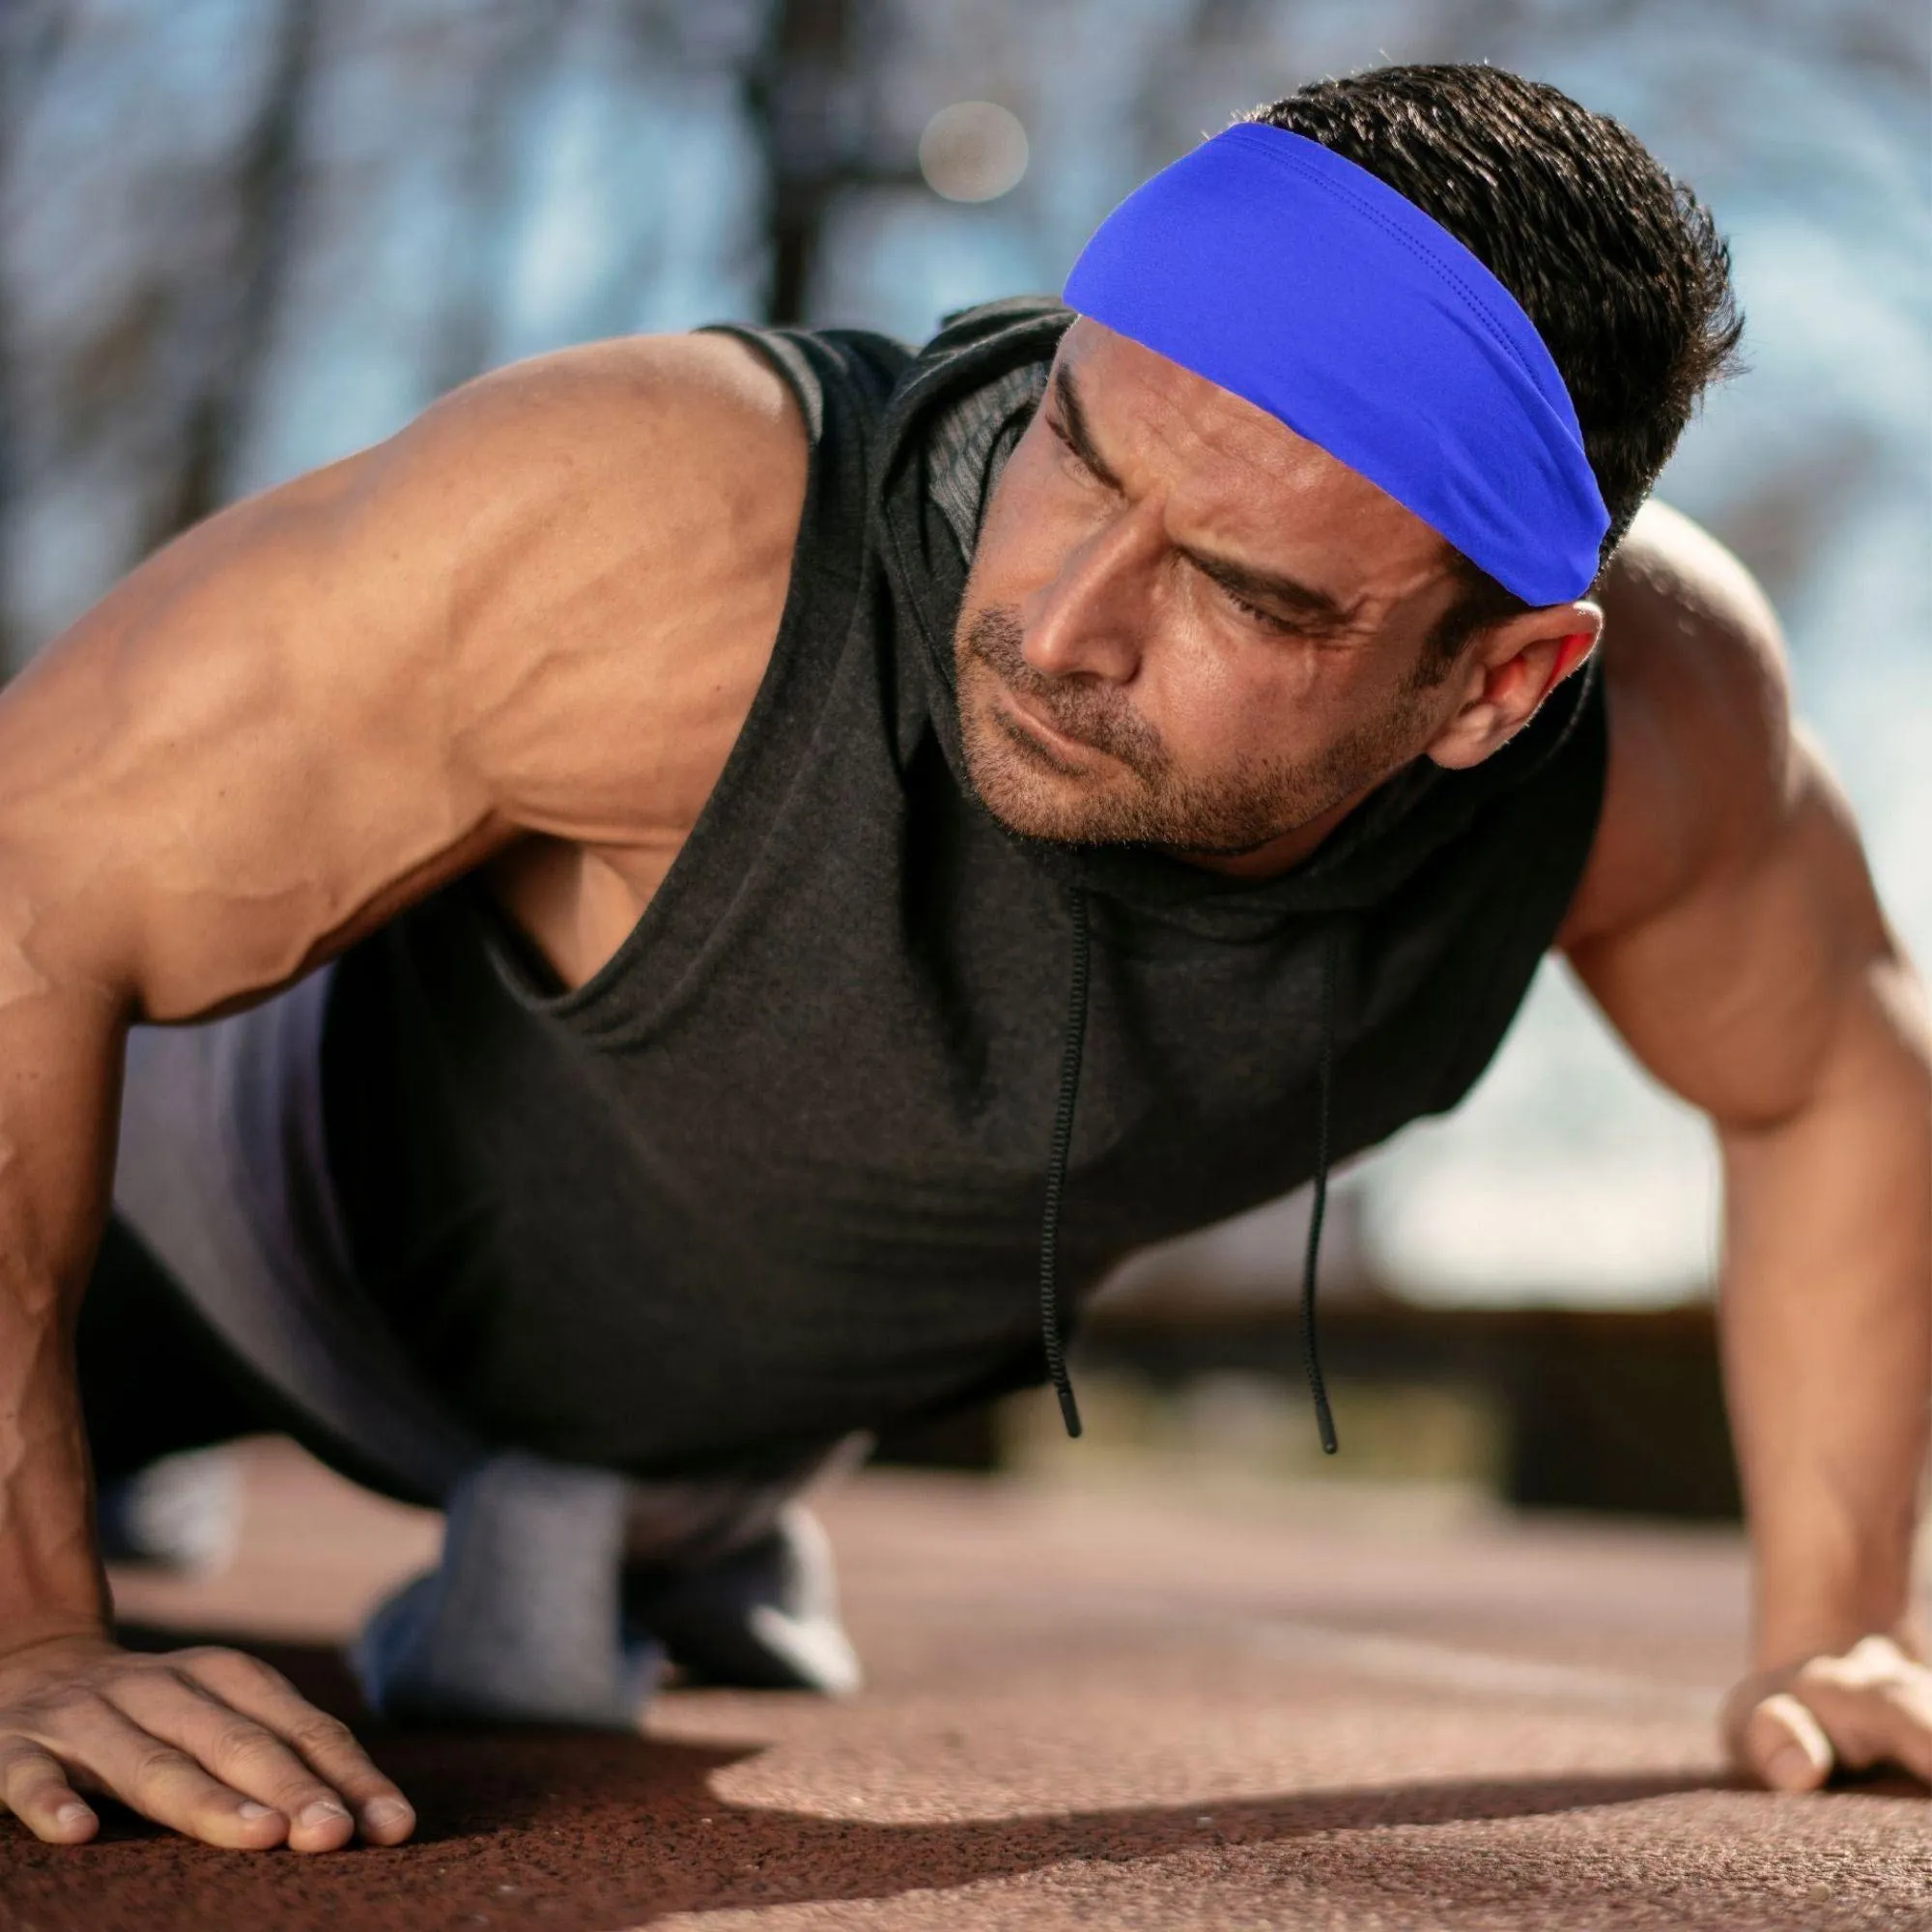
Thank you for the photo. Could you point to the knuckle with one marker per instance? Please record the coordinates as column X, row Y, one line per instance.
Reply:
column 132, row 1676
column 1834, row 1673
column 156, row 1764
column 319, row 1732
column 235, row 1667
column 261, row 1676
column 239, row 1742
column 22, row 1764
column 168, row 1681
column 217, row 1653
column 64, row 1705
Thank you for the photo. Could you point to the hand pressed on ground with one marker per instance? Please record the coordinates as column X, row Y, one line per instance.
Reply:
column 214, row 1743
column 1870, row 1705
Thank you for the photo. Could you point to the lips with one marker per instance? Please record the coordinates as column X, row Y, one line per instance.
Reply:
column 1050, row 735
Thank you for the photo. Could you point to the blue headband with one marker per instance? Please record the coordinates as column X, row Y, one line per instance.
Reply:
column 1305, row 284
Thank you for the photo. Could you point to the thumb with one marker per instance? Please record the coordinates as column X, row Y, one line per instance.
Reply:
column 1784, row 1746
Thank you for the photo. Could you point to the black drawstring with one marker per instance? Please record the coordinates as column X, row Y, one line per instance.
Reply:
column 1050, row 1334
column 1324, row 1421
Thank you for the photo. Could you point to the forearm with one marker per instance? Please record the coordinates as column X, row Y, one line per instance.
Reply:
column 1826, row 1309
column 60, row 1058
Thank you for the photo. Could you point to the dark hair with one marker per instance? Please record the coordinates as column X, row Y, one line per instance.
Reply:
column 1615, row 260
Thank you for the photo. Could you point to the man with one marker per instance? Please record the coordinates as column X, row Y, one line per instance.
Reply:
column 746, row 922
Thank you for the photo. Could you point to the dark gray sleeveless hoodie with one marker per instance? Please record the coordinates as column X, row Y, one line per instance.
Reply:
column 777, row 1172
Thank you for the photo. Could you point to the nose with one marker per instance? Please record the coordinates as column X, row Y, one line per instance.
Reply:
column 1091, row 619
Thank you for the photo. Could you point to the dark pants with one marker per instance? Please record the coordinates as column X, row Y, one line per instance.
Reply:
column 153, row 1378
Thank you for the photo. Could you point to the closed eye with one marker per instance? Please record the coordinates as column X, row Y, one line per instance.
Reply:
column 1268, row 620
column 1324, row 621
column 1264, row 617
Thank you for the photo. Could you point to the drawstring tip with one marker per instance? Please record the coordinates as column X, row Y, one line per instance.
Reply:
column 1052, row 1340
column 1069, row 1414
column 1311, row 1266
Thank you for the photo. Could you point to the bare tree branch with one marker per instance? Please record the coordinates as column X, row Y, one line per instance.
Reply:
column 517, row 37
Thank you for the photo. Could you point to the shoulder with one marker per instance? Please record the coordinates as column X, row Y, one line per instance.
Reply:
column 609, row 530
column 1703, row 765
column 543, row 607
column 685, row 450
column 580, row 411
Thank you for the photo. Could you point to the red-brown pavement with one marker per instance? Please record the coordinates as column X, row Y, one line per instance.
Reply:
column 1120, row 1706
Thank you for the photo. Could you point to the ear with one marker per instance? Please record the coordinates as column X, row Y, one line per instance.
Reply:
column 1513, row 668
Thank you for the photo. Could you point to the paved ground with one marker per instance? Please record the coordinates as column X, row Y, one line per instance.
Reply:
column 1111, row 1709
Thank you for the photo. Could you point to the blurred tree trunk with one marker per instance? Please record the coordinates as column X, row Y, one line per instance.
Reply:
column 30, row 36
column 810, row 91
column 799, row 89
column 267, row 193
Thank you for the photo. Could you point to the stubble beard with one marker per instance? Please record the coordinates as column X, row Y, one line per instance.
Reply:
column 1142, row 800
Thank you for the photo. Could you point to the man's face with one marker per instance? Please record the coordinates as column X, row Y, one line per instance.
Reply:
column 1187, row 627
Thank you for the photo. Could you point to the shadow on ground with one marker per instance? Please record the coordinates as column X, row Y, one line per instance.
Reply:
column 586, row 1832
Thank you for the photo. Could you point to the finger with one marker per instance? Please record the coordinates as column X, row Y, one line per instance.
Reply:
column 33, row 1787
column 1905, row 1736
column 244, row 1755
column 157, row 1780
column 324, row 1743
column 1882, row 1720
column 1784, row 1744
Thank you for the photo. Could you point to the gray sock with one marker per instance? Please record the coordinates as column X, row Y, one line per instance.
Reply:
column 543, row 1611
column 520, row 1621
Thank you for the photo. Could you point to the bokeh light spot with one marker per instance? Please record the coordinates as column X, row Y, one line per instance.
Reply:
column 973, row 151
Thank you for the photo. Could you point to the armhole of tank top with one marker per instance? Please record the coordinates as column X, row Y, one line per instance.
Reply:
column 813, row 563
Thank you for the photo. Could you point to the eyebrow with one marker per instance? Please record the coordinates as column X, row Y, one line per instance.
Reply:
column 1076, row 432
column 1315, row 609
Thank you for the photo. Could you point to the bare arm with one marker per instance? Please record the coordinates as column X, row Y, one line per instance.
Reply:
column 534, row 619
column 1728, row 929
